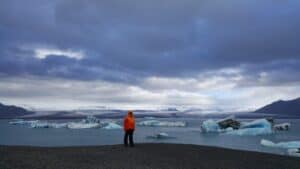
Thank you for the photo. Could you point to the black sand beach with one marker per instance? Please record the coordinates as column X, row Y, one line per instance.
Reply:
column 143, row 156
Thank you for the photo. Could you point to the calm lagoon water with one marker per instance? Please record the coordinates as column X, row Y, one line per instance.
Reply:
column 23, row 135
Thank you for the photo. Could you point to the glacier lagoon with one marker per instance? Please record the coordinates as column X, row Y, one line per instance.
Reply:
column 190, row 134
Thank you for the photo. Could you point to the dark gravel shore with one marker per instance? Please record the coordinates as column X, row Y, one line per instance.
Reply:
column 143, row 156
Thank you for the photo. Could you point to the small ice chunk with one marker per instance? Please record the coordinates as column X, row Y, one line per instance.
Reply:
column 161, row 135
column 149, row 118
column 79, row 125
column 112, row 126
column 282, row 126
column 294, row 152
column 157, row 123
column 210, row 126
column 22, row 122
column 286, row 145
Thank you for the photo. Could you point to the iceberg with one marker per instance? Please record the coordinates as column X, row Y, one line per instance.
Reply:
column 251, row 132
column 160, row 136
column 48, row 125
column 292, row 146
column 80, row 125
column 294, row 152
column 286, row 145
column 157, row 123
column 253, row 128
column 260, row 123
column 22, row 122
column 210, row 126
column 91, row 119
column 112, row 126
column 282, row 126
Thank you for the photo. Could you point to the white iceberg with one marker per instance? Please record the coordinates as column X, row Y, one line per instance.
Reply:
column 292, row 146
column 157, row 123
column 91, row 119
column 22, row 122
column 286, row 145
column 294, row 152
column 112, row 126
column 48, row 125
column 80, row 125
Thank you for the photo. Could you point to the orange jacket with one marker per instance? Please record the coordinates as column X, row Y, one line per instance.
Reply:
column 129, row 123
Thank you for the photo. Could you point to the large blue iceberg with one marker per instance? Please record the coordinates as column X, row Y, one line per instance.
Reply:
column 253, row 128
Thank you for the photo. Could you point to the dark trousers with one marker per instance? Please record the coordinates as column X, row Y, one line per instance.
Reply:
column 128, row 133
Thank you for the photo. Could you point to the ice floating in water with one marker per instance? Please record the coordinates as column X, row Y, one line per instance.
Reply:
column 160, row 136
column 91, row 119
column 80, row 125
column 292, row 146
column 22, row 122
column 157, row 123
column 256, row 127
column 89, row 122
column 210, row 126
column 48, row 125
column 149, row 118
column 287, row 145
column 282, row 126
column 112, row 126
column 294, row 152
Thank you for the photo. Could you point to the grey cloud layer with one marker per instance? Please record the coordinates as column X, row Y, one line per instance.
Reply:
column 125, row 41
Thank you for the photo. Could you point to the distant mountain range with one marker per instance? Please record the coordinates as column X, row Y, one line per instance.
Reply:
column 290, row 108
column 12, row 111
column 281, row 108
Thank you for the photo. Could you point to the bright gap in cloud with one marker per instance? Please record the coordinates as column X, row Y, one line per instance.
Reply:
column 42, row 53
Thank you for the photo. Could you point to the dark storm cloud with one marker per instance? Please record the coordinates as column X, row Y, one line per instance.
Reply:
column 130, row 40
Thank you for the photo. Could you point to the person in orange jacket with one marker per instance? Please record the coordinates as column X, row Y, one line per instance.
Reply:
column 129, row 126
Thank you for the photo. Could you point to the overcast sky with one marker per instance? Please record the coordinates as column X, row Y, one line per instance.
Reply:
column 231, row 54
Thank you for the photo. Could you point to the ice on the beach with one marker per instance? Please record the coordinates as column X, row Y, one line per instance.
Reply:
column 253, row 128
column 161, row 135
column 157, row 123
column 112, row 126
column 80, row 125
column 286, row 145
